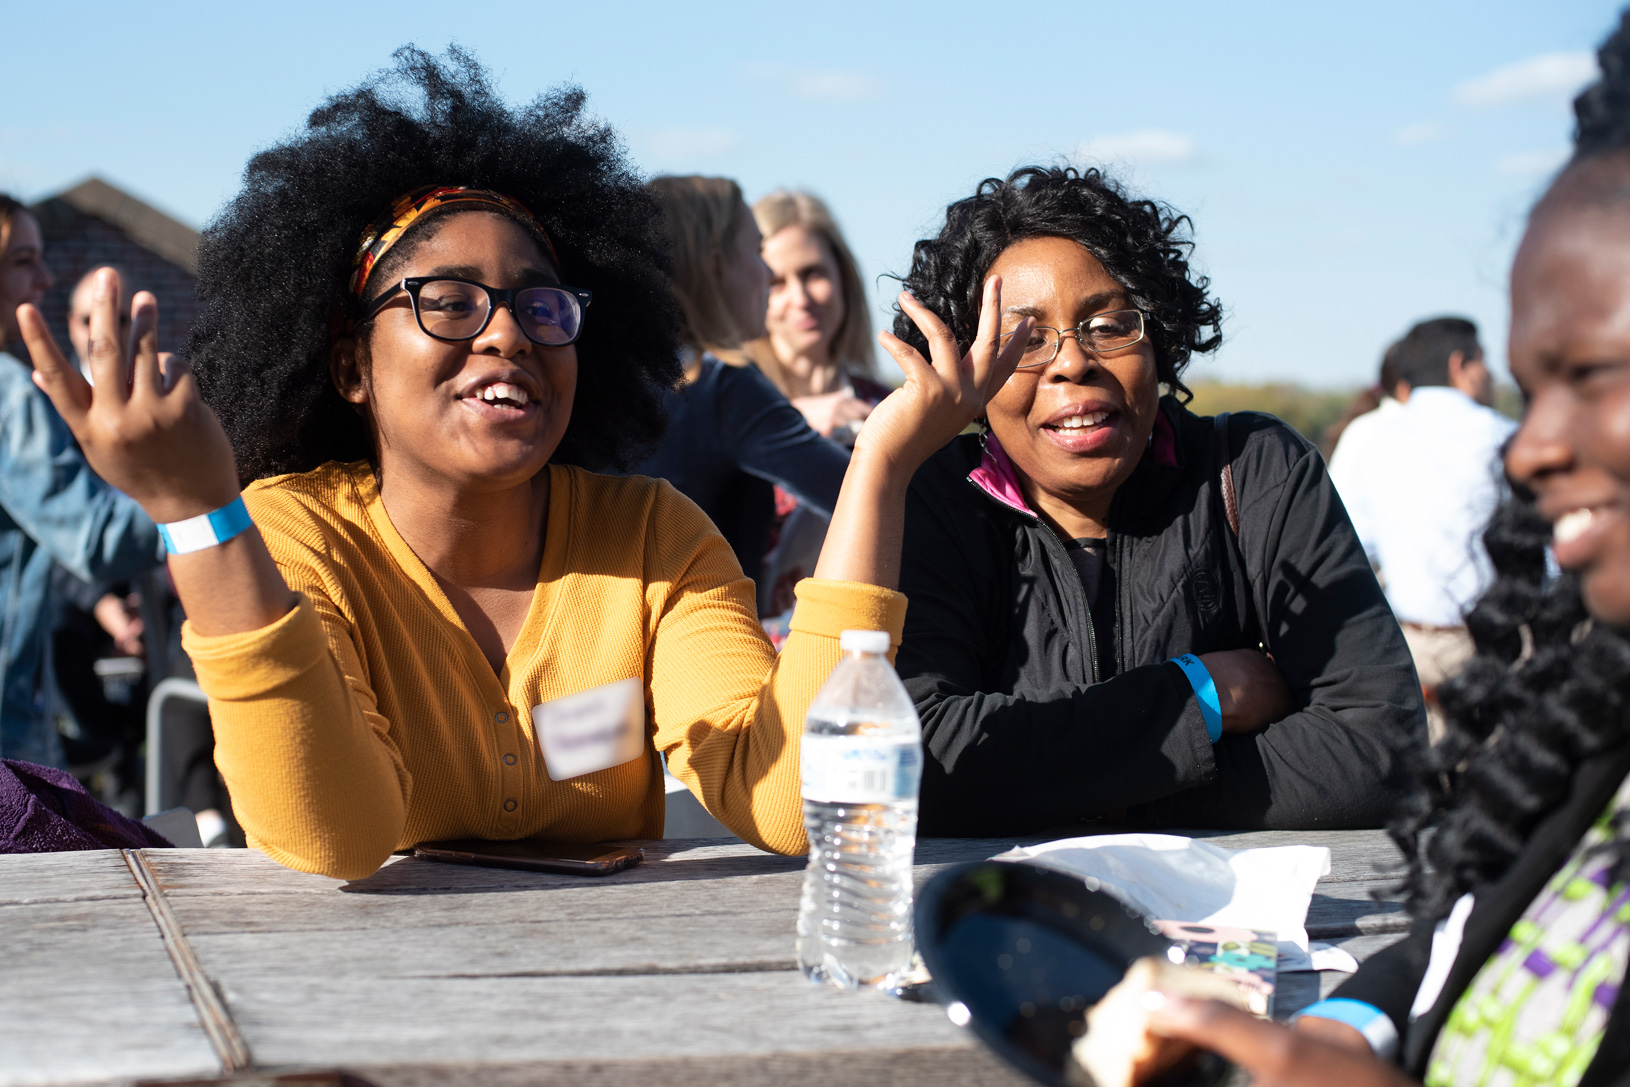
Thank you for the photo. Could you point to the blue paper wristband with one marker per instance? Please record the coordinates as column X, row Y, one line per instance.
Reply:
column 1367, row 1019
column 1205, row 691
column 205, row 530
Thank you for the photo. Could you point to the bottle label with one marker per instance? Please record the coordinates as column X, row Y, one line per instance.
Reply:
column 860, row 769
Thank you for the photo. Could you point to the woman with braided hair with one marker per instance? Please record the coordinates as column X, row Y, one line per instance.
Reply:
column 425, row 618
column 1515, row 971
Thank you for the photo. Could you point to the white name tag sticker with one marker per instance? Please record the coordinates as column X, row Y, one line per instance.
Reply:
column 591, row 730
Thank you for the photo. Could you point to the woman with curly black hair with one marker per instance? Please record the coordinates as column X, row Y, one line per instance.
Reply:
column 422, row 318
column 1515, row 970
column 1091, row 577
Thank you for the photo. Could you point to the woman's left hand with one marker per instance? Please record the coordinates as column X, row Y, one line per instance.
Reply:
column 1274, row 1055
column 937, row 401
column 942, row 396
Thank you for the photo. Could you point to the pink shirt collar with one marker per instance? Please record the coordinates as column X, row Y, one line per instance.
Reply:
column 997, row 477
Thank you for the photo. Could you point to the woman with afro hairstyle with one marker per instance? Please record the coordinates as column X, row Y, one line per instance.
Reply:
column 426, row 318
column 1119, row 609
column 1514, row 972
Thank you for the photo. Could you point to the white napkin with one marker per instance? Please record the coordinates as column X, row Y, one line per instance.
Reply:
column 1172, row 878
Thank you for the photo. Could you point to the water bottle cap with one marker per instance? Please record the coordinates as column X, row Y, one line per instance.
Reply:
column 864, row 641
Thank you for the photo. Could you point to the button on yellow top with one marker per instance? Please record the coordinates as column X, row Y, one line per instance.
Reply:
column 509, row 760
column 509, row 805
column 501, row 717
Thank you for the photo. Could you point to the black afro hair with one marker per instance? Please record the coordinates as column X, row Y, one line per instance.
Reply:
column 1144, row 245
column 273, row 266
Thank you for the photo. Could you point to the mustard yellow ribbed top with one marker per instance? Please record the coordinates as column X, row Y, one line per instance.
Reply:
column 367, row 720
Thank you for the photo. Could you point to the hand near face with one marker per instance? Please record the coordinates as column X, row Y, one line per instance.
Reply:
column 942, row 396
column 1274, row 1055
column 143, row 427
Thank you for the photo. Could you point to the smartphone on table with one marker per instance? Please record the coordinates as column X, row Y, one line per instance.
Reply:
column 534, row 855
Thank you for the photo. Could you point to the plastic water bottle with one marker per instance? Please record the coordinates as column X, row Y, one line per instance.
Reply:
column 862, row 760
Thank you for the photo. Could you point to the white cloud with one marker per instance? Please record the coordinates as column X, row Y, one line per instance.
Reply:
column 1548, row 75
column 689, row 144
column 1531, row 163
column 1148, row 146
column 820, row 84
column 1417, row 134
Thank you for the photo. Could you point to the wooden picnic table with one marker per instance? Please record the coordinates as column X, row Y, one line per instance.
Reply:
column 177, row 963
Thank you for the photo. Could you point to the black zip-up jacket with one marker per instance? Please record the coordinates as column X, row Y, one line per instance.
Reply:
column 1022, row 735
column 1390, row 979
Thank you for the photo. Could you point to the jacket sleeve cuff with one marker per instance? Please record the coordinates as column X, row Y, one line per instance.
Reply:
column 828, row 608
column 254, row 663
column 1191, row 725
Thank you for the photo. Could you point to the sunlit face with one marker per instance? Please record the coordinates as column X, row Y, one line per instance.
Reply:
column 807, row 306
column 24, row 278
column 1076, row 427
column 743, row 276
column 1570, row 354
column 428, row 399
column 79, row 314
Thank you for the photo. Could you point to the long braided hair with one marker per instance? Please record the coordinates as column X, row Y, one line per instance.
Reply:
column 1549, row 687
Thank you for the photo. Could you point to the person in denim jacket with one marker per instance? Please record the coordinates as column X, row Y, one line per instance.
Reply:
column 53, row 508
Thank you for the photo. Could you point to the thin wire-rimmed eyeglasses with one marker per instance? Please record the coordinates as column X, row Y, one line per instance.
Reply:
column 1099, row 333
column 453, row 309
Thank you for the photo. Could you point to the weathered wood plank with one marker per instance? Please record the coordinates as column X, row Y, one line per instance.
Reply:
column 86, row 989
column 64, row 877
column 677, row 971
column 357, row 1021
column 849, row 1067
column 423, row 919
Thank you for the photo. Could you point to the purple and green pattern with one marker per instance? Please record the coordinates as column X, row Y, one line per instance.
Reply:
column 1536, row 1010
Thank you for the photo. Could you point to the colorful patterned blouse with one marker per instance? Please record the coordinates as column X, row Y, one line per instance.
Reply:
column 1535, row 1012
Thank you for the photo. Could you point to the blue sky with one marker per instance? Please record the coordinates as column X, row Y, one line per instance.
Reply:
column 1349, row 168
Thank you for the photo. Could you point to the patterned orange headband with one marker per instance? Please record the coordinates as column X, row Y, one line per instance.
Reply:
column 406, row 210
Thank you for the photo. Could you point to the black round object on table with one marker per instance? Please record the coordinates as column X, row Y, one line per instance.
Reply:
column 1026, row 950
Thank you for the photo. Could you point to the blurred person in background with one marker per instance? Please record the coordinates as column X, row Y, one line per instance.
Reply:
column 732, row 436
column 1372, row 405
column 53, row 508
column 1513, row 971
column 819, row 352
column 1092, row 577
column 101, row 714
column 819, row 331
column 1420, row 486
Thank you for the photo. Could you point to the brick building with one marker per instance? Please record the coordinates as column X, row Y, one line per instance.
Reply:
column 93, row 224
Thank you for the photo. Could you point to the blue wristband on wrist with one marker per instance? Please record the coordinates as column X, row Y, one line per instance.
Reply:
column 1367, row 1019
column 205, row 530
column 1205, row 691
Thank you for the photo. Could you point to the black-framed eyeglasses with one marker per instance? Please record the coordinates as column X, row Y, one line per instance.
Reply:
column 453, row 309
column 1099, row 333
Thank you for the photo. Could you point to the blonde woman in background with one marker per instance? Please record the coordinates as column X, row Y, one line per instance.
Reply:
column 732, row 436
column 819, row 348
column 818, row 351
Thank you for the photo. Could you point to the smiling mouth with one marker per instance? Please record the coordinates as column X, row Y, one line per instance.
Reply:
column 1572, row 525
column 1079, row 424
column 502, row 394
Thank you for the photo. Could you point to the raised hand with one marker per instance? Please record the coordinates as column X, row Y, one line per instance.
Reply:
column 939, row 398
column 143, row 427
column 946, row 392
